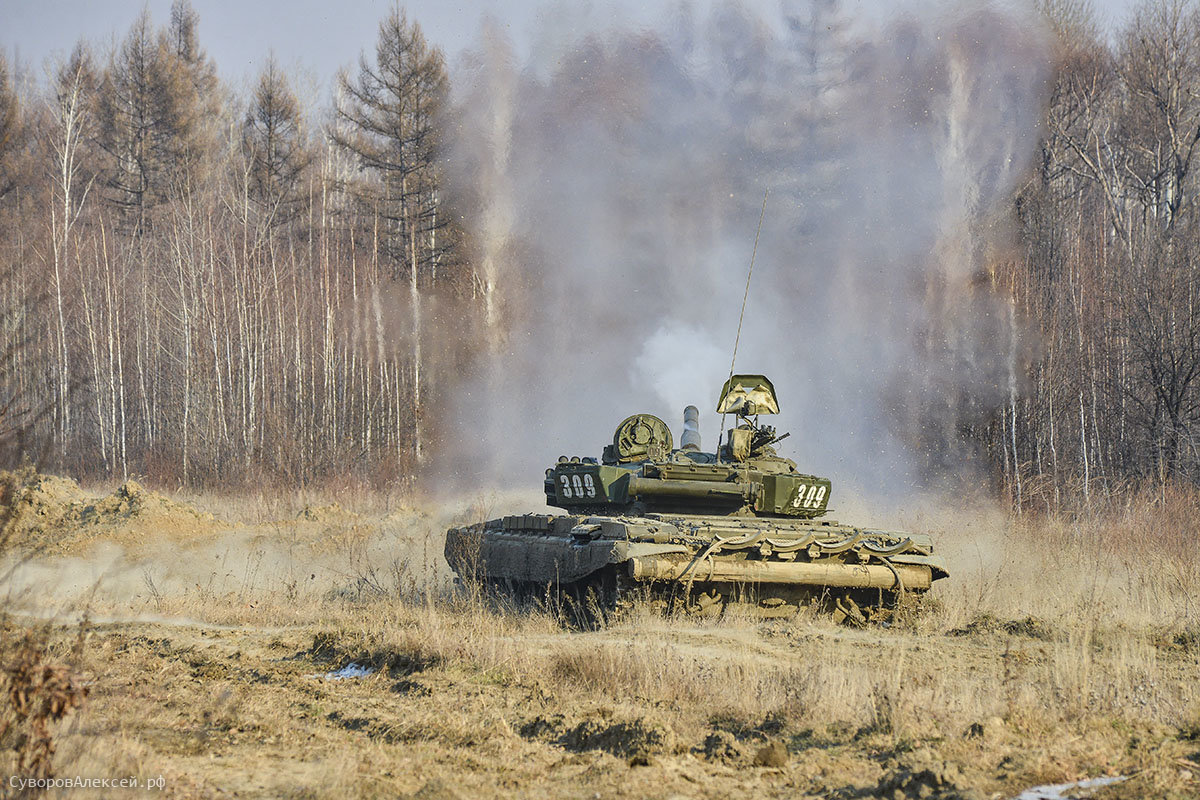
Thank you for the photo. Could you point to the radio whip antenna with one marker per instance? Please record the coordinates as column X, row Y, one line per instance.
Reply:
column 742, row 315
column 746, row 295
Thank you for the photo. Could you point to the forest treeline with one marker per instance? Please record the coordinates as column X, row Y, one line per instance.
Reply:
column 1109, row 274
column 211, row 289
column 218, row 290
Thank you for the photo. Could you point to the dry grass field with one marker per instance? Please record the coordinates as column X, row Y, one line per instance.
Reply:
column 208, row 632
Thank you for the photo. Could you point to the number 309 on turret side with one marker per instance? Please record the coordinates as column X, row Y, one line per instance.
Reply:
column 582, row 486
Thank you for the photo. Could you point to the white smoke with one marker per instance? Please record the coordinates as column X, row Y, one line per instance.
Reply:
column 613, row 183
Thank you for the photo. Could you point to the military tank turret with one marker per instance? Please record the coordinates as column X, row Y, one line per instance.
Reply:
column 704, row 530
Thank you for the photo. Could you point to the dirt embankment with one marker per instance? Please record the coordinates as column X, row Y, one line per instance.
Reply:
column 55, row 516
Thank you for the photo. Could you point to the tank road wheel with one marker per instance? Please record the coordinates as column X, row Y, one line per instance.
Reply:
column 777, row 608
column 877, row 607
column 595, row 601
column 632, row 594
column 847, row 612
column 505, row 594
column 608, row 596
column 707, row 604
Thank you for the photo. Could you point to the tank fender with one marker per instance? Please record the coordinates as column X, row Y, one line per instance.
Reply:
column 935, row 564
column 519, row 556
column 628, row 550
column 626, row 529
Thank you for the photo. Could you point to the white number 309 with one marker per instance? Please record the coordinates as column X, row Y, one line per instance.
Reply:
column 578, row 486
column 810, row 496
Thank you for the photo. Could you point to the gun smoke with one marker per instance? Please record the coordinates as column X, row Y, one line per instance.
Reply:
column 614, row 183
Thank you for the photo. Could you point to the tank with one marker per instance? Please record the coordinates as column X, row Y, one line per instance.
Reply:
column 699, row 531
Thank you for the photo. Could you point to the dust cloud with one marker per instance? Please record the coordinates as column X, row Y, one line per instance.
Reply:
column 613, row 181
column 137, row 551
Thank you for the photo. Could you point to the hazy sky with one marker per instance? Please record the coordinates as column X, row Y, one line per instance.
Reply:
column 319, row 36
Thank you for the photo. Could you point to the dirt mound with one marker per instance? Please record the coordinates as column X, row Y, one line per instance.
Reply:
column 633, row 738
column 332, row 513
column 41, row 499
column 935, row 780
column 772, row 754
column 53, row 514
column 1187, row 640
column 132, row 501
column 720, row 746
column 399, row 659
column 1029, row 627
column 638, row 737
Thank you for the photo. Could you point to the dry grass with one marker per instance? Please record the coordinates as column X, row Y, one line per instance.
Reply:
column 1060, row 649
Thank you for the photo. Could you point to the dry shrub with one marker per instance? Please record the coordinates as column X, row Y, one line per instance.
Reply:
column 1132, row 563
column 637, row 670
column 38, row 691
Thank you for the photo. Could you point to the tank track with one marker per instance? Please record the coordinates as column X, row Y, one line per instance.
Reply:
column 610, row 596
column 689, row 564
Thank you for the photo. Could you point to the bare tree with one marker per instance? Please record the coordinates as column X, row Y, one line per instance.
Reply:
column 1159, row 66
column 10, row 130
column 274, row 143
column 156, row 110
column 391, row 111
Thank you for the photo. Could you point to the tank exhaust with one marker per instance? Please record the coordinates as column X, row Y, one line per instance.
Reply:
column 690, row 439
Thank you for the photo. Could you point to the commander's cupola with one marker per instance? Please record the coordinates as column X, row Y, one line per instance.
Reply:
column 746, row 397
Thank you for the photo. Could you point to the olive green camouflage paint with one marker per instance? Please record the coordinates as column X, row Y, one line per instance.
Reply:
column 737, row 523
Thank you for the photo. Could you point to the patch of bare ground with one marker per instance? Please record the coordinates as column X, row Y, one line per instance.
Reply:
column 1060, row 650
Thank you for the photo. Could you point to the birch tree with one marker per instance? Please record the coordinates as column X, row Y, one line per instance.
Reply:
column 69, row 130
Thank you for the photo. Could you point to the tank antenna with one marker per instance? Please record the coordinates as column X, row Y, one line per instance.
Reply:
column 742, row 315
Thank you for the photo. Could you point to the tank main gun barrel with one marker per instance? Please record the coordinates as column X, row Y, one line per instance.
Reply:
column 690, row 440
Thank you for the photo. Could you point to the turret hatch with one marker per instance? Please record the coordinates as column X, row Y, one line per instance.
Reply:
column 747, row 395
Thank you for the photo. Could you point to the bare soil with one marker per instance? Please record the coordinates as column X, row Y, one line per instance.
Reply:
column 213, row 641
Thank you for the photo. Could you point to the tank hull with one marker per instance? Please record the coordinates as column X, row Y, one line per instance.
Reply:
column 701, row 561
